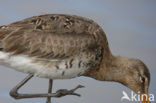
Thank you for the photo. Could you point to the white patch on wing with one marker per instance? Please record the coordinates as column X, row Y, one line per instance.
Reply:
column 24, row 64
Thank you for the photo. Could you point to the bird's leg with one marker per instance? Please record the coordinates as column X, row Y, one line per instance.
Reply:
column 50, row 90
column 60, row 93
column 14, row 92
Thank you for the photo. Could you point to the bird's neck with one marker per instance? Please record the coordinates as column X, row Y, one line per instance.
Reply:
column 112, row 69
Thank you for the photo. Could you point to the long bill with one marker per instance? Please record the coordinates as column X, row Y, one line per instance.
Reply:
column 144, row 98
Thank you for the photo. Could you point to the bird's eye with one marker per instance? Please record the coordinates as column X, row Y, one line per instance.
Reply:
column 142, row 79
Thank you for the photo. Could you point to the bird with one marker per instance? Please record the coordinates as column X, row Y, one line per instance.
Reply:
column 65, row 46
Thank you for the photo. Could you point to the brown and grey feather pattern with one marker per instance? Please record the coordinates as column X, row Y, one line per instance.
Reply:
column 58, row 46
column 52, row 36
column 56, row 36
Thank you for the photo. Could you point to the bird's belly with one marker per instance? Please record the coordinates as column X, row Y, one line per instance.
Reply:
column 52, row 69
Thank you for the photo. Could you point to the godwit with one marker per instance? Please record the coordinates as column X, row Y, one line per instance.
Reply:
column 57, row 46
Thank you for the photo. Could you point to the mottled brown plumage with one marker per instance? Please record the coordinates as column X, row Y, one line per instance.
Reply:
column 68, row 38
column 52, row 36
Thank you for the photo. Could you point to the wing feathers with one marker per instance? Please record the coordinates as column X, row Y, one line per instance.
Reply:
column 59, row 36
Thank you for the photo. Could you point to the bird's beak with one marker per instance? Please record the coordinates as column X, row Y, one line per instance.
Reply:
column 145, row 98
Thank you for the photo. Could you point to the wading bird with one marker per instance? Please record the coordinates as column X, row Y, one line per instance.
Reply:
column 59, row 46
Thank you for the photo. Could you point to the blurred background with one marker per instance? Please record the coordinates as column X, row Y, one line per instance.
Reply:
column 130, row 26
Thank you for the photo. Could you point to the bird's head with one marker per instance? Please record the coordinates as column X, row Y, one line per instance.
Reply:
column 132, row 73
column 137, row 77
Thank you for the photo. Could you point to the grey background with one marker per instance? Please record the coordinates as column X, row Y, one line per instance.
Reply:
column 130, row 26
